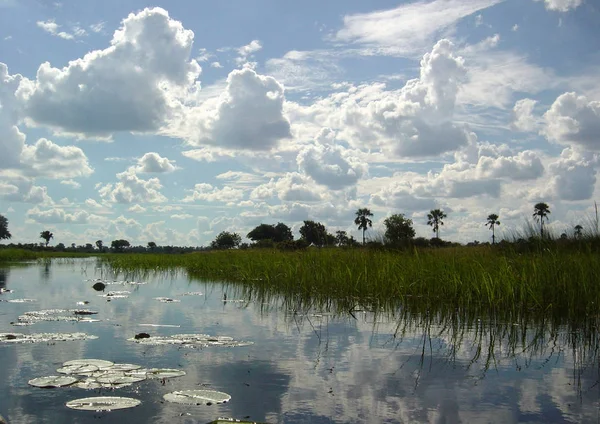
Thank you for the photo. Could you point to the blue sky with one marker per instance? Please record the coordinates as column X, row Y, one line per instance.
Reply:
column 173, row 121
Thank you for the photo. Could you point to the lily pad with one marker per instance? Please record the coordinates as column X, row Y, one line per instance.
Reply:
column 191, row 340
column 53, row 381
column 167, row 300
column 103, row 403
column 89, row 383
column 44, row 337
column 120, row 378
column 83, row 369
column 197, row 397
column 156, row 373
column 55, row 315
column 121, row 367
column 98, row 363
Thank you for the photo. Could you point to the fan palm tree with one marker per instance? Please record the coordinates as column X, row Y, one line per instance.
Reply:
column 578, row 231
column 434, row 218
column 46, row 235
column 540, row 213
column 363, row 221
column 492, row 221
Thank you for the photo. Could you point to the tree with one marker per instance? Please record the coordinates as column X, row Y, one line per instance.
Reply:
column 398, row 228
column 363, row 221
column 46, row 235
column 492, row 222
column 151, row 245
column 434, row 218
column 226, row 240
column 277, row 233
column 314, row 233
column 283, row 233
column 578, row 231
column 99, row 244
column 119, row 245
column 4, row 233
column 341, row 238
column 540, row 213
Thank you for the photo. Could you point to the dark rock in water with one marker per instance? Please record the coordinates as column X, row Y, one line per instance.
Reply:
column 99, row 286
column 2, row 420
column 142, row 336
column 9, row 337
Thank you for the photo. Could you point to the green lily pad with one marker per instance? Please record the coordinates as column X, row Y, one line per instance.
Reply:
column 197, row 397
column 78, row 369
column 43, row 337
column 52, row 381
column 157, row 373
column 103, row 403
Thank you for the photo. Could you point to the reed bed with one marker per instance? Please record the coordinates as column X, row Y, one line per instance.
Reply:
column 564, row 282
column 15, row 255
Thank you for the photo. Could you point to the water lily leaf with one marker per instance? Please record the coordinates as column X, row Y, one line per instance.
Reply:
column 53, row 381
column 79, row 369
column 55, row 315
column 119, row 378
column 197, row 397
column 191, row 340
column 89, row 383
column 156, row 373
column 103, row 403
column 98, row 363
column 167, row 300
column 120, row 367
column 44, row 337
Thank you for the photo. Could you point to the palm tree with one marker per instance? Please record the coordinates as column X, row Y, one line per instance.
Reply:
column 492, row 221
column 540, row 213
column 434, row 218
column 46, row 235
column 578, row 231
column 363, row 221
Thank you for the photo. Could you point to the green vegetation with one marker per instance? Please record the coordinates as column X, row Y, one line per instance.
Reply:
column 46, row 235
column 540, row 213
column 492, row 223
column 4, row 233
column 14, row 255
column 435, row 220
column 363, row 220
column 546, row 277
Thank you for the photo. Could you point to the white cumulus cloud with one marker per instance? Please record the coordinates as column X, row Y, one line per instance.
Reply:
column 125, row 87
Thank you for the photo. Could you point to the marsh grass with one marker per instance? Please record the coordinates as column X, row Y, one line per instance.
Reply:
column 14, row 255
column 565, row 282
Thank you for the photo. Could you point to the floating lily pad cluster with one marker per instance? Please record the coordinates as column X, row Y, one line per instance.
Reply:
column 190, row 340
column 101, row 374
column 79, row 315
column 43, row 337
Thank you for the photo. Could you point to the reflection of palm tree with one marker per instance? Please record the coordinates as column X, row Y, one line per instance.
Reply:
column 434, row 218
column 578, row 231
column 363, row 221
column 540, row 213
column 492, row 221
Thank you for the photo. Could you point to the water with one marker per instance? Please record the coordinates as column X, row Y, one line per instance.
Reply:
column 305, row 366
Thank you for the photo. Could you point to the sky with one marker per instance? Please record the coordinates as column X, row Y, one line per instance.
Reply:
column 173, row 121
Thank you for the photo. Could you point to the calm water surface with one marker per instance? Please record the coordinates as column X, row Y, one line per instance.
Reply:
column 305, row 366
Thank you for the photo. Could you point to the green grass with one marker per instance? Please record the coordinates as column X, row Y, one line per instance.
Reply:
column 15, row 255
column 564, row 282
